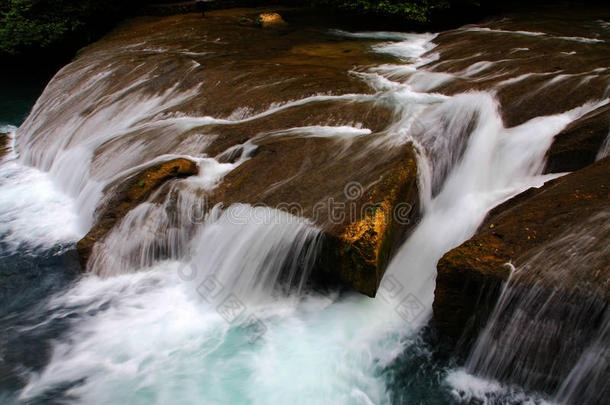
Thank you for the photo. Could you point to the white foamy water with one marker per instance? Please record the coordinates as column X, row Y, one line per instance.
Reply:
column 476, row 165
column 210, row 327
column 34, row 213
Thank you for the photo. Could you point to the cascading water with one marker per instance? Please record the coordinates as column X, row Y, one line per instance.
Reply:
column 566, row 343
column 213, row 308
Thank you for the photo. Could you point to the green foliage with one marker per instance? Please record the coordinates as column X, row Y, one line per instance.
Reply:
column 27, row 25
column 413, row 10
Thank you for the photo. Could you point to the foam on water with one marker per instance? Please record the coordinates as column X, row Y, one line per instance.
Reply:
column 495, row 164
column 410, row 49
column 406, row 38
column 33, row 211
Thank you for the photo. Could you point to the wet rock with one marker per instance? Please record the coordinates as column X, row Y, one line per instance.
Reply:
column 169, row 8
column 125, row 194
column 4, row 140
column 534, row 97
column 578, row 145
column 470, row 277
column 560, row 297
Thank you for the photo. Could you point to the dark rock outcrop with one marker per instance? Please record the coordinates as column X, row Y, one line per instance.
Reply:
column 359, row 251
column 470, row 276
column 127, row 194
column 170, row 8
column 577, row 145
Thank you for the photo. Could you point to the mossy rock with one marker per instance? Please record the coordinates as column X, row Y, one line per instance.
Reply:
column 270, row 20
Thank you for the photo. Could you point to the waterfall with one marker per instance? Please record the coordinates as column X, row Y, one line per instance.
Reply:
column 188, row 303
column 235, row 262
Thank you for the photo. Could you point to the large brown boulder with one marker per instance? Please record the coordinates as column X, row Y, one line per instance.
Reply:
column 126, row 194
column 270, row 20
column 359, row 250
column 470, row 276
column 365, row 202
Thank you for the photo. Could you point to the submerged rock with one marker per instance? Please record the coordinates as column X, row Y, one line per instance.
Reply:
column 126, row 194
column 471, row 276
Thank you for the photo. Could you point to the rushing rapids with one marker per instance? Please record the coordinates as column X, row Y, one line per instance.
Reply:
column 200, row 290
